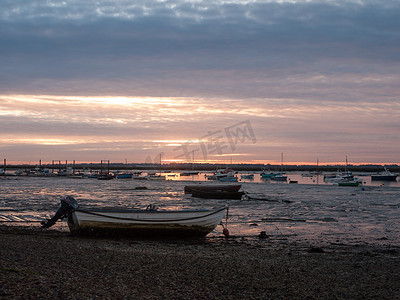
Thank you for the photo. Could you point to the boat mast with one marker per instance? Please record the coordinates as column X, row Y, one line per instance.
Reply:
column 193, row 160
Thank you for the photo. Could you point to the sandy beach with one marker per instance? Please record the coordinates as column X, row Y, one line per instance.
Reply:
column 49, row 264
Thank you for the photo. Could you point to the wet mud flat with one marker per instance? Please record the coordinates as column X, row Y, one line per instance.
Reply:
column 51, row 264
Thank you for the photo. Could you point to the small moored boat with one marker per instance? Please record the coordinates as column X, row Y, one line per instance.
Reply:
column 347, row 183
column 124, row 175
column 279, row 178
column 143, row 223
column 105, row 176
column 267, row 175
column 228, row 179
column 212, row 187
column 385, row 176
column 189, row 173
column 217, row 194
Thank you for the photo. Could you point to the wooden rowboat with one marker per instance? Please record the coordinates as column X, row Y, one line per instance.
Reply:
column 145, row 223
column 217, row 194
column 212, row 187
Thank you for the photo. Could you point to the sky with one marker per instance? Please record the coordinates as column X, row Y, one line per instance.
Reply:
column 204, row 81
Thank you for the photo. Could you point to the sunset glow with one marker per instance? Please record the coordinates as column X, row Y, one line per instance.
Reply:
column 242, row 81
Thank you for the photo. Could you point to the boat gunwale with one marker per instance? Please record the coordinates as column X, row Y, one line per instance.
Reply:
column 98, row 213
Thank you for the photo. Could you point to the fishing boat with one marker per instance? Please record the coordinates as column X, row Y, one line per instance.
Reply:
column 212, row 187
column 386, row 175
column 149, row 222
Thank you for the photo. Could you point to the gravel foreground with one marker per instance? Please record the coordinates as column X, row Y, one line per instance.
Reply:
column 49, row 264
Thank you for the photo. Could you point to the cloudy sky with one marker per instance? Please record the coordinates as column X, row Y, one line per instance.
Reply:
column 223, row 80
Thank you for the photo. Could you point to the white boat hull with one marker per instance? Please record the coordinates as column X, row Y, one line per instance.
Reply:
column 145, row 223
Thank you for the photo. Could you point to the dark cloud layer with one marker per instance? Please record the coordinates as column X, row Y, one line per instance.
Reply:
column 176, row 48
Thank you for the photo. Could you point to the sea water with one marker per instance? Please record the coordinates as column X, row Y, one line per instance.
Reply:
column 310, row 211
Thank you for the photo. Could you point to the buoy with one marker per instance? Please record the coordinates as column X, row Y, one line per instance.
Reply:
column 225, row 232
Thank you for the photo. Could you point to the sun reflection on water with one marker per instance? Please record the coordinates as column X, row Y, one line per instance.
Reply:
column 295, row 212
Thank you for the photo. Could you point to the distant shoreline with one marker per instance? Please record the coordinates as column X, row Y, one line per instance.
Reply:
column 370, row 168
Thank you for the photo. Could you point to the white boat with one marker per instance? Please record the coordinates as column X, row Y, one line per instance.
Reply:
column 148, row 223
column 342, row 177
column 221, row 173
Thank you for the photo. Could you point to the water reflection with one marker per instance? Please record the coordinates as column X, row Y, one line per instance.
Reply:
column 292, row 177
column 307, row 211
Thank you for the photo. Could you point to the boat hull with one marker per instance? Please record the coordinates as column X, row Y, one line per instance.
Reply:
column 249, row 176
column 347, row 183
column 384, row 177
column 217, row 194
column 190, row 173
column 124, row 176
column 213, row 187
column 145, row 223
column 279, row 178
column 228, row 179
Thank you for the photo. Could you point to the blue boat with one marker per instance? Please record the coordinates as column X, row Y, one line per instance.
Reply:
column 228, row 179
column 269, row 174
column 124, row 176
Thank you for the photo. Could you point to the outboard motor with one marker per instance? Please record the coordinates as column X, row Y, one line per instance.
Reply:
column 67, row 204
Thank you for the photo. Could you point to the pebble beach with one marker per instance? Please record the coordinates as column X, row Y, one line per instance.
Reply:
column 50, row 264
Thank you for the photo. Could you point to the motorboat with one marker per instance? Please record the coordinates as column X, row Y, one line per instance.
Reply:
column 149, row 223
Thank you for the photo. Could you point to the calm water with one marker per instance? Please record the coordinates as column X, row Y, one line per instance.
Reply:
column 311, row 211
